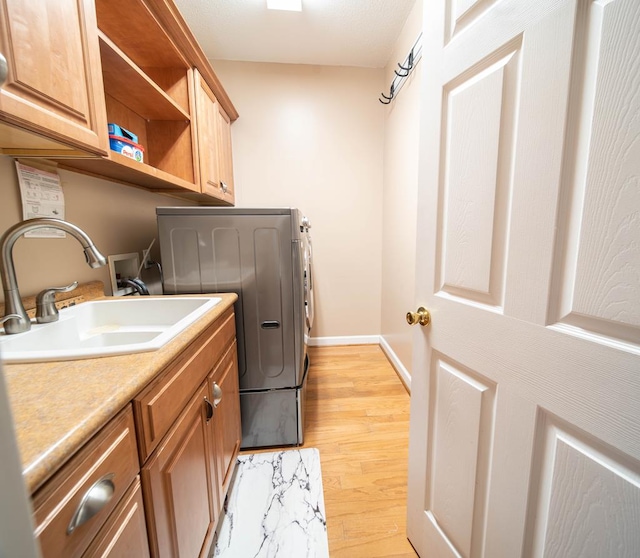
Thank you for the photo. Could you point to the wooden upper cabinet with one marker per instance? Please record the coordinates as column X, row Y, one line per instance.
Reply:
column 54, row 84
column 214, row 144
column 76, row 65
column 225, row 157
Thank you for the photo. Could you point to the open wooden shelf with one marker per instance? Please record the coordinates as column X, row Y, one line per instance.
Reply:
column 130, row 85
column 139, row 34
column 123, row 169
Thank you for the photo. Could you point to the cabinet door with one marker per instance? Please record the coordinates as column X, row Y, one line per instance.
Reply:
column 214, row 145
column 54, row 83
column 225, row 158
column 207, row 112
column 227, row 432
column 178, row 485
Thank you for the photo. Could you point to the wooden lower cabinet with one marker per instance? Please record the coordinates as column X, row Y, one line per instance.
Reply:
column 179, row 493
column 185, row 430
column 74, row 505
column 186, row 476
column 225, row 394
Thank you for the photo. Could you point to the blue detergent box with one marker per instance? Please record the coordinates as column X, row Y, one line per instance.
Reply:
column 115, row 130
column 126, row 147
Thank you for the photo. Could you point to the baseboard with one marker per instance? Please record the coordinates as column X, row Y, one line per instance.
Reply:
column 346, row 340
column 401, row 370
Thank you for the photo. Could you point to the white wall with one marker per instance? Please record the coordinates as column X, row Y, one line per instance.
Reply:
column 313, row 137
column 400, row 196
column 119, row 219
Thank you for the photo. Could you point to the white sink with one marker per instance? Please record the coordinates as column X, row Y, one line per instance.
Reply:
column 105, row 328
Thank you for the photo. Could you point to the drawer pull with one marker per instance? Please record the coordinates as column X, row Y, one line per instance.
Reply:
column 217, row 394
column 209, row 409
column 96, row 498
column 4, row 70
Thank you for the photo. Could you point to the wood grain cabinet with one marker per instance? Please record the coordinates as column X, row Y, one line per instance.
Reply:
column 225, row 395
column 148, row 59
column 52, row 101
column 214, row 144
column 181, row 495
column 71, row 509
column 76, row 65
column 189, row 437
column 184, row 428
column 125, row 532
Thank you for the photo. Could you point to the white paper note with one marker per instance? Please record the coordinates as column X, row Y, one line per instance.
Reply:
column 42, row 196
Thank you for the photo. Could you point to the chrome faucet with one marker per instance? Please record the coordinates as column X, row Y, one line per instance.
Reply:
column 16, row 319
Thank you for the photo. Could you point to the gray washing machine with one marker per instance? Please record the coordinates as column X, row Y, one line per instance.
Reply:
column 264, row 256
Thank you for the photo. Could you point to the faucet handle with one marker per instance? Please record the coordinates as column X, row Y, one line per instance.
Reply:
column 46, row 310
column 10, row 317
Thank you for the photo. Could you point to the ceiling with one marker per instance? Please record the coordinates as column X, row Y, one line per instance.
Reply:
column 326, row 32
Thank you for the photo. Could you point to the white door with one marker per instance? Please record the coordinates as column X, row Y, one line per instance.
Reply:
column 525, row 411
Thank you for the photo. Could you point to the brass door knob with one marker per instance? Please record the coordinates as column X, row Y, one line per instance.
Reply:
column 421, row 317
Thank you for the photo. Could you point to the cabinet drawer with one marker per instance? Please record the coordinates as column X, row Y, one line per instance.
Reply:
column 158, row 406
column 107, row 464
column 125, row 534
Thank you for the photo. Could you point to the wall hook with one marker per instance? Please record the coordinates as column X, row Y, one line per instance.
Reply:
column 406, row 69
column 403, row 71
column 391, row 95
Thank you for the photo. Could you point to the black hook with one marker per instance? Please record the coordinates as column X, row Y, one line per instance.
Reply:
column 408, row 68
column 388, row 99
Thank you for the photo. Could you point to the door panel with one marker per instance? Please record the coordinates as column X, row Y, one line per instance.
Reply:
column 597, row 283
column 461, row 13
column 461, row 434
column 577, row 473
column 478, row 125
column 525, row 423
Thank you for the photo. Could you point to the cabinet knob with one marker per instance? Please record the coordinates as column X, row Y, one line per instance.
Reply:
column 209, row 409
column 223, row 187
column 96, row 498
column 421, row 317
column 217, row 394
column 4, row 69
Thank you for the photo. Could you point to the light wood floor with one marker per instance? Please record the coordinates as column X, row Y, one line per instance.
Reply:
column 358, row 417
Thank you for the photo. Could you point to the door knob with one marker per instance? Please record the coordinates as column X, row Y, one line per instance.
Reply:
column 421, row 317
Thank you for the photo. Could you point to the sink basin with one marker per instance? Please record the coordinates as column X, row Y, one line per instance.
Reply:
column 105, row 328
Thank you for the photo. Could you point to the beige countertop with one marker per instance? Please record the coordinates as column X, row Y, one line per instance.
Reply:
column 58, row 406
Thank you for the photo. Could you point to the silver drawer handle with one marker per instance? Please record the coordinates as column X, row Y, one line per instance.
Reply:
column 96, row 498
column 217, row 394
column 4, row 70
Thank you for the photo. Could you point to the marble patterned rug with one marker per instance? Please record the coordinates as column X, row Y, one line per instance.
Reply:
column 275, row 508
